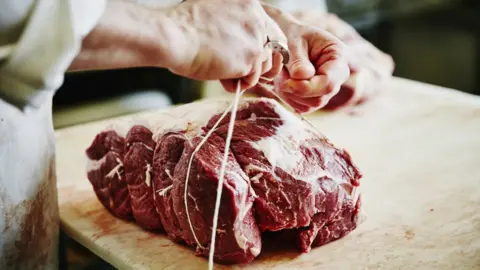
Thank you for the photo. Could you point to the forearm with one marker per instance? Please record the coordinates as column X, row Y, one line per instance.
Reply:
column 129, row 35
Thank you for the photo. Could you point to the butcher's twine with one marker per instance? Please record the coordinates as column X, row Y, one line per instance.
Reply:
column 231, row 124
column 233, row 108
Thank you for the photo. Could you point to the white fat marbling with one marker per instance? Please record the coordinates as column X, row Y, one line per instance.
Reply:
column 190, row 117
column 282, row 149
column 148, row 175
column 251, row 167
column 256, row 178
column 148, row 147
column 193, row 116
column 114, row 171
column 163, row 192
column 242, row 187
column 167, row 171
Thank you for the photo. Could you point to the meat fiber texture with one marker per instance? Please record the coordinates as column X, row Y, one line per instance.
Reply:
column 282, row 175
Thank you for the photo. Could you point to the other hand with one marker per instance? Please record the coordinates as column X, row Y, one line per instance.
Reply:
column 318, row 64
column 370, row 68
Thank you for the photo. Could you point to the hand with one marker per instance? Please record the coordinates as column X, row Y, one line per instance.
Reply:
column 225, row 40
column 318, row 64
column 370, row 68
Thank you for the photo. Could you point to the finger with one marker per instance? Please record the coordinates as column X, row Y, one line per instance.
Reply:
column 325, row 45
column 335, row 67
column 332, row 69
column 314, row 102
column 272, row 29
column 280, row 81
column 276, row 67
column 274, row 32
column 230, row 85
column 300, row 67
column 267, row 61
column 299, row 108
column 317, row 86
column 252, row 79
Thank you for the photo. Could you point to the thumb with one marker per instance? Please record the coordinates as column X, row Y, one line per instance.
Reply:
column 300, row 67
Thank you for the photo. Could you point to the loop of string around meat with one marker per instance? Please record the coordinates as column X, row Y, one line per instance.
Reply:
column 233, row 109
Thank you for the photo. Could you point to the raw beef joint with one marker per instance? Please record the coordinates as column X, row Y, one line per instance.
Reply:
column 106, row 173
column 138, row 172
column 282, row 176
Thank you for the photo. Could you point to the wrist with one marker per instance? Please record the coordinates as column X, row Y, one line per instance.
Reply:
column 180, row 41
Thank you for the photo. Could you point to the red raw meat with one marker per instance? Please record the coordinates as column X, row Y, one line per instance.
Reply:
column 138, row 171
column 282, row 176
column 106, row 173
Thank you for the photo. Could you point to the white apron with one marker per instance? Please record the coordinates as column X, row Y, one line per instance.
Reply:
column 47, row 35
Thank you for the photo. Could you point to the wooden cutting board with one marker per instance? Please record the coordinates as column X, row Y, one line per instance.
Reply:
column 418, row 146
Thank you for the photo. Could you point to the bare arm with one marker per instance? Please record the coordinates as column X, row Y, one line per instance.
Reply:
column 198, row 39
column 131, row 35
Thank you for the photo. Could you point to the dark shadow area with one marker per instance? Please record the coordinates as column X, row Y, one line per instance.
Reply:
column 85, row 86
column 437, row 42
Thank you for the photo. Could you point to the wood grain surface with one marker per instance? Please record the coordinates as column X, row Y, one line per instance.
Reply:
column 418, row 146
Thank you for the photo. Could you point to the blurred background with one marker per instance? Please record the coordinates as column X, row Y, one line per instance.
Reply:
column 433, row 41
